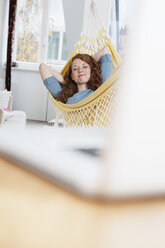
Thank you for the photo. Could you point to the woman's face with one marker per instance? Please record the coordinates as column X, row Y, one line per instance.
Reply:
column 81, row 71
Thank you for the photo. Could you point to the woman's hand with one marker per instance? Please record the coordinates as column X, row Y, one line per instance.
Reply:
column 47, row 71
column 99, row 54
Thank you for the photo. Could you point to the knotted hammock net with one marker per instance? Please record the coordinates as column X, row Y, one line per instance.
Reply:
column 97, row 109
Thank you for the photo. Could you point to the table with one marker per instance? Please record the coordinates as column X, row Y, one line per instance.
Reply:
column 37, row 213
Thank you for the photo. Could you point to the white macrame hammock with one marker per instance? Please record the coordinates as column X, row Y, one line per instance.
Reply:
column 97, row 109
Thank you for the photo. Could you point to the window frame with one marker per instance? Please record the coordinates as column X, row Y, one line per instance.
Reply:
column 43, row 48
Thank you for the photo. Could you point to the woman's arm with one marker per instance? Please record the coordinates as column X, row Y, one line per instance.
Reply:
column 99, row 54
column 51, row 79
column 105, row 60
column 47, row 71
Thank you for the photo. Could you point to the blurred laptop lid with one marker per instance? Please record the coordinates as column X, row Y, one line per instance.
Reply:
column 70, row 157
column 137, row 161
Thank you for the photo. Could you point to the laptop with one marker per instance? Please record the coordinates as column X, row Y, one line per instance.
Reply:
column 125, row 161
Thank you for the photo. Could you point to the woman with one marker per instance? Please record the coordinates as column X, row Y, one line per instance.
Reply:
column 84, row 75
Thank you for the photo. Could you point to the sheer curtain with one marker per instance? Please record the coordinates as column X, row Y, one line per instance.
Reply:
column 113, row 30
column 11, row 27
column 122, row 14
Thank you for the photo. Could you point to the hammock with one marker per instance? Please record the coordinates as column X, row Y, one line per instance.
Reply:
column 97, row 109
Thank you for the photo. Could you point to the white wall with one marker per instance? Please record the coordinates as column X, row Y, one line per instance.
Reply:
column 29, row 94
column 74, row 14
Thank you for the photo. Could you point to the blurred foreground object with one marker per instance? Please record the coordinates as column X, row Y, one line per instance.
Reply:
column 139, row 139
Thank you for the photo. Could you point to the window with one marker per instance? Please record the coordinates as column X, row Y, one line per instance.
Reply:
column 40, row 32
column 121, row 21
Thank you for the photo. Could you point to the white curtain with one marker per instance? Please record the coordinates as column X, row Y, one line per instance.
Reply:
column 122, row 16
column 113, row 24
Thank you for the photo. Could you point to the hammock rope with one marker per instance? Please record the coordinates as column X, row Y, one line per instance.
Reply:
column 97, row 109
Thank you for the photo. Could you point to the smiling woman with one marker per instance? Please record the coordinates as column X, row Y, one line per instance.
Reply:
column 81, row 73
column 84, row 75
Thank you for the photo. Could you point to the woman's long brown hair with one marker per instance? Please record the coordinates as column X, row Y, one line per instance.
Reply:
column 70, row 87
